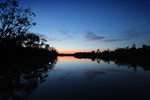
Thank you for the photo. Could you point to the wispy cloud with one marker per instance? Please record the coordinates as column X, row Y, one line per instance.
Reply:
column 115, row 40
column 66, row 34
column 49, row 39
column 54, row 39
column 57, row 39
column 123, row 36
column 147, row 24
column 90, row 36
column 102, row 31
column 133, row 33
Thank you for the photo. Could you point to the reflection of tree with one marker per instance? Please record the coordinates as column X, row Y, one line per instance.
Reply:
column 18, row 81
column 131, row 57
column 134, row 64
column 129, row 63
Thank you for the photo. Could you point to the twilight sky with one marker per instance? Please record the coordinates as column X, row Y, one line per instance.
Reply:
column 86, row 25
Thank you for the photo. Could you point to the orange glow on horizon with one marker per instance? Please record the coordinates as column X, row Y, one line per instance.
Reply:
column 63, row 51
column 66, row 52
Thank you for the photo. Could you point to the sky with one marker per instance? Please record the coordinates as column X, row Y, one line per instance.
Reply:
column 86, row 25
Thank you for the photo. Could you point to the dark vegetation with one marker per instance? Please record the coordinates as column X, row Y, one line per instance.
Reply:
column 132, row 57
column 17, row 81
column 16, row 42
column 125, row 53
column 25, row 58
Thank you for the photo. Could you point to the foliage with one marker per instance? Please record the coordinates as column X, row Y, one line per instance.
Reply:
column 32, row 40
column 121, row 56
column 14, row 20
column 126, row 53
column 15, row 40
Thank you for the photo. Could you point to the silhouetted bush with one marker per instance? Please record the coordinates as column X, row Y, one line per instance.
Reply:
column 122, row 56
column 16, row 43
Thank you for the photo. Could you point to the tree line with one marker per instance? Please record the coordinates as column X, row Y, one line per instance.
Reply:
column 129, row 56
column 126, row 53
column 15, row 39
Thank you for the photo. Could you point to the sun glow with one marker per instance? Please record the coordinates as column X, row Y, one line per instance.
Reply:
column 64, row 51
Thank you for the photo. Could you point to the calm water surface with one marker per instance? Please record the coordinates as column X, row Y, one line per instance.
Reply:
column 83, row 79
column 78, row 79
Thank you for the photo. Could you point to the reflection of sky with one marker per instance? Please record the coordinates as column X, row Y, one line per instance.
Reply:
column 85, row 25
column 73, row 78
column 70, row 68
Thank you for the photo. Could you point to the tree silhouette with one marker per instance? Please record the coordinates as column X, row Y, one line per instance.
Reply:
column 14, row 21
column 32, row 40
column 43, row 42
column 129, row 56
column 14, row 24
column 47, row 46
column 98, row 51
column 16, row 42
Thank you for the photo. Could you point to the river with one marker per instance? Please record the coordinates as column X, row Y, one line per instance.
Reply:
column 70, row 78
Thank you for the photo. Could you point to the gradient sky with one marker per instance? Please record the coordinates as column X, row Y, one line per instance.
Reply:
column 86, row 25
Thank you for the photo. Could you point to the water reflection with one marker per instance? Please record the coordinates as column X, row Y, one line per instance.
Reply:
column 130, row 63
column 91, row 74
column 83, row 79
column 74, row 79
column 17, row 81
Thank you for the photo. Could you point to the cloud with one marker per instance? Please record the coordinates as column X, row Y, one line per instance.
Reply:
column 131, row 33
column 58, row 40
column 90, row 36
column 124, row 36
column 67, row 37
column 102, row 31
column 146, row 24
column 48, row 39
column 115, row 40
column 55, row 39
column 66, row 33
